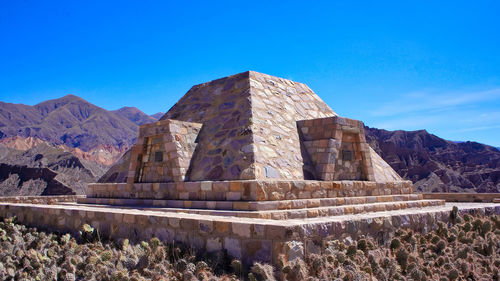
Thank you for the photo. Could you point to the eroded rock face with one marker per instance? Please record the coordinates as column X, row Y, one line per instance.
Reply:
column 437, row 165
column 22, row 180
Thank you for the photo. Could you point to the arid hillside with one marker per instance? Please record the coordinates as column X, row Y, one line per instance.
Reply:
column 437, row 165
column 58, row 146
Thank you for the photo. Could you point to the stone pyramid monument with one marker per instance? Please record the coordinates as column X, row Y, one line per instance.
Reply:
column 255, row 165
column 252, row 126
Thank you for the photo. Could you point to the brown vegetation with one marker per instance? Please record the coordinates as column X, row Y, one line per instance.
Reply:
column 465, row 249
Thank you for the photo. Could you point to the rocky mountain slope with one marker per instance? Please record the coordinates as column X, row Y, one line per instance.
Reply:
column 438, row 165
column 45, row 170
column 71, row 121
column 58, row 146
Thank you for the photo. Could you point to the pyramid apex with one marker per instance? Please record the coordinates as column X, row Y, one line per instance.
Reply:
column 246, row 75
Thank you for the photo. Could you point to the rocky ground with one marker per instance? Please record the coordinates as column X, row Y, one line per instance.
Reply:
column 468, row 248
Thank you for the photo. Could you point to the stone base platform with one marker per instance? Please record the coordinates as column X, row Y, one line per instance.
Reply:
column 247, row 190
column 265, row 199
column 279, row 210
column 249, row 239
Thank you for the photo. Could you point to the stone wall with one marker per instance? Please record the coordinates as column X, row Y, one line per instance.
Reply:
column 247, row 239
column 41, row 199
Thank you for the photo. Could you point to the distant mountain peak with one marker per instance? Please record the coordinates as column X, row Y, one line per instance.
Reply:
column 71, row 96
column 129, row 109
column 158, row 115
column 63, row 100
column 134, row 114
column 72, row 121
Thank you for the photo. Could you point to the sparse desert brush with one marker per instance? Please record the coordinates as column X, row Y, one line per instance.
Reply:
column 466, row 248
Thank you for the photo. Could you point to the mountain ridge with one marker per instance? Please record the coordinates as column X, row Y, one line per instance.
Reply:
column 69, row 120
column 437, row 165
column 82, row 150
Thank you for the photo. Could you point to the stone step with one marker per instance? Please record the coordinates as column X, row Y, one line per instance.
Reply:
column 251, row 205
column 251, row 190
column 303, row 213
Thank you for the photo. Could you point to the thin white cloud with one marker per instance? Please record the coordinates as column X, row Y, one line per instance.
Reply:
column 473, row 129
column 459, row 115
column 432, row 101
column 408, row 123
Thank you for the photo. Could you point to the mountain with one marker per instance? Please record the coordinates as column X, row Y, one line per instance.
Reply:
column 135, row 115
column 158, row 115
column 437, row 165
column 57, row 146
column 71, row 121
column 60, row 145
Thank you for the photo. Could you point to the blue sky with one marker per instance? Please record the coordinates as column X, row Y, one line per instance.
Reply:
column 392, row 64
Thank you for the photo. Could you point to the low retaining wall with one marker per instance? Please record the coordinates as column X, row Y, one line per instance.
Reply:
column 243, row 238
column 41, row 199
column 463, row 197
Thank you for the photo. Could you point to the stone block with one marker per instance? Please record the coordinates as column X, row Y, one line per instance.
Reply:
column 233, row 196
column 184, row 195
column 174, row 222
column 205, row 226
column 313, row 203
column 235, row 186
column 241, row 229
column 220, row 186
column 187, row 224
column 214, row 244
column 206, row 186
column 304, row 195
column 233, row 247
column 242, row 206
column 257, row 191
column 192, row 186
